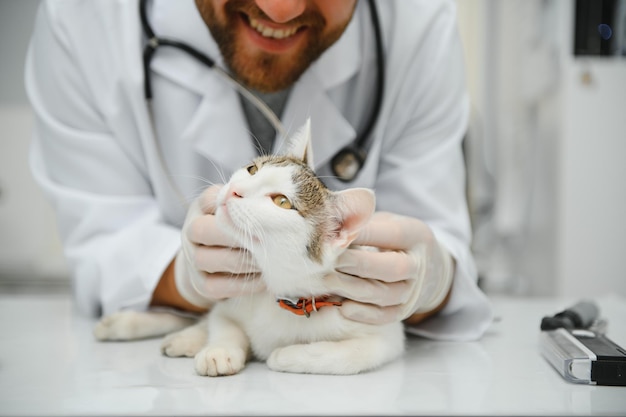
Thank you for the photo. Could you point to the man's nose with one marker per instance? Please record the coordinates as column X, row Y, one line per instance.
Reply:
column 281, row 11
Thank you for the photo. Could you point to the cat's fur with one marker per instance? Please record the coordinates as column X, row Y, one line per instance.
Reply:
column 295, row 248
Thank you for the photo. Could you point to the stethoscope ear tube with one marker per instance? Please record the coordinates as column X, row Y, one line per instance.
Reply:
column 147, row 58
column 148, row 50
column 154, row 42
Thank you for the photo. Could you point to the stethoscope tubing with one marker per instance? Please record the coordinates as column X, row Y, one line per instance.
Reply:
column 380, row 74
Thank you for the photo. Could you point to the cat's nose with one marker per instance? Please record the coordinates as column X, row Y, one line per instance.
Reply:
column 234, row 191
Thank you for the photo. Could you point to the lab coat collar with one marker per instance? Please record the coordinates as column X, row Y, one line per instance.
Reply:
column 219, row 111
column 329, row 129
column 343, row 59
column 180, row 20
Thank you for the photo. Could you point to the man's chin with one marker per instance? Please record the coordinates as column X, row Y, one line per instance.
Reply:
column 268, row 79
column 266, row 87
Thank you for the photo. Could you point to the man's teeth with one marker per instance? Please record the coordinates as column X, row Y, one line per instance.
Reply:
column 271, row 33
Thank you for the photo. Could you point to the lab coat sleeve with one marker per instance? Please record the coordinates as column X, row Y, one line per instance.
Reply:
column 421, row 171
column 115, row 240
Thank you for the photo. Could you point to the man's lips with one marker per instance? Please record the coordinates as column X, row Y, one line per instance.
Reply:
column 269, row 32
column 272, row 37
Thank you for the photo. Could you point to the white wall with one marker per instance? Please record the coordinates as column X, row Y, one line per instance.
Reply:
column 592, row 174
column 592, row 238
column 30, row 249
column 28, row 236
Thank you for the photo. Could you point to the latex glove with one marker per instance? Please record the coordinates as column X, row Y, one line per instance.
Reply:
column 209, row 265
column 410, row 274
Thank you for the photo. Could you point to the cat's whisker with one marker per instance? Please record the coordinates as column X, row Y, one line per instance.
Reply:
column 196, row 177
column 195, row 193
column 220, row 172
column 257, row 144
column 205, row 181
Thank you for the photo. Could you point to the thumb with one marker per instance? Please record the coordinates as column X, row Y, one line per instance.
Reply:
column 370, row 313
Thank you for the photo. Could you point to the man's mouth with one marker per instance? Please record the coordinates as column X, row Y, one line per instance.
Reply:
column 268, row 32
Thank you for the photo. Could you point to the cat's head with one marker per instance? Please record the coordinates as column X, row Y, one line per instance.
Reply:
column 280, row 211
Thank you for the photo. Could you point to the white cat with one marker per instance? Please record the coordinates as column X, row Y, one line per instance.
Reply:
column 295, row 228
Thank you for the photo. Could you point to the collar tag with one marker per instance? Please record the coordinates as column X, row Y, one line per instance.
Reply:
column 305, row 306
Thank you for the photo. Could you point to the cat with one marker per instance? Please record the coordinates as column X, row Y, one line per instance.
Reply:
column 295, row 228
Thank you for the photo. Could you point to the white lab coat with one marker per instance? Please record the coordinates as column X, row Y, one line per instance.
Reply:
column 95, row 155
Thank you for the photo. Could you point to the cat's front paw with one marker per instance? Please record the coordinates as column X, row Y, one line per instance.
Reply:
column 186, row 342
column 218, row 361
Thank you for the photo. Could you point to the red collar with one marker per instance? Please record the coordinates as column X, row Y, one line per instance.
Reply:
column 304, row 306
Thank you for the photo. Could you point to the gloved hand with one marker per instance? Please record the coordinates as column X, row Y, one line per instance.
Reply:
column 410, row 274
column 209, row 265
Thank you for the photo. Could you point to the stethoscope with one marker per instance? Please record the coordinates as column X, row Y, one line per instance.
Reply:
column 347, row 163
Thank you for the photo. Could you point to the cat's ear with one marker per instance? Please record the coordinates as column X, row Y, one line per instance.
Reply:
column 300, row 144
column 355, row 207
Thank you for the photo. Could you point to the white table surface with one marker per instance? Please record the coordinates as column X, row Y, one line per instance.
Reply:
column 50, row 364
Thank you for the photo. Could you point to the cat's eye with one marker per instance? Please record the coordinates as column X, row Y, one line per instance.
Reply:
column 252, row 169
column 282, row 202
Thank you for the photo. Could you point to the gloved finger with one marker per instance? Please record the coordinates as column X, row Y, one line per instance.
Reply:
column 366, row 290
column 208, row 199
column 369, row 313
column 203, row 230
column 219, row 259
column 388, row 266
column 393, row 231
column 222, row 286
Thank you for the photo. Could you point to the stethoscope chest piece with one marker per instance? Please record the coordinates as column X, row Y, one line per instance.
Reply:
column 347, row 163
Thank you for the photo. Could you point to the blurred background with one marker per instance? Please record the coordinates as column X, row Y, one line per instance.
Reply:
column 545, row 149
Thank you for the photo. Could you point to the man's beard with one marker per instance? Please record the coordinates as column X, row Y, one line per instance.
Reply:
column 266, row 72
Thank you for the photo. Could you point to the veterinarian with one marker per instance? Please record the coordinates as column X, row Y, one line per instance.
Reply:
column 123, row 149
